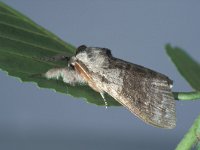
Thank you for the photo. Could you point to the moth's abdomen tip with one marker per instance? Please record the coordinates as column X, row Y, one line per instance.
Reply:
column 170, row 82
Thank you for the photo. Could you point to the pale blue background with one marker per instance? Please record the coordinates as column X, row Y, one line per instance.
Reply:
column 33, row 118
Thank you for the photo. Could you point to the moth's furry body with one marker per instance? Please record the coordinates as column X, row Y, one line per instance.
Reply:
column 144, row 92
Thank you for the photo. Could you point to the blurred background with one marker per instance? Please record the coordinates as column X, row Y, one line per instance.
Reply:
column 136, row 31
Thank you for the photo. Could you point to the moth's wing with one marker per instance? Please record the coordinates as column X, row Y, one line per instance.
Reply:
column 144, row 92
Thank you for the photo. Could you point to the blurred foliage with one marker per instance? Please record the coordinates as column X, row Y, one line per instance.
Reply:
column 190, row 70
column 191, row 139
column 186, row 66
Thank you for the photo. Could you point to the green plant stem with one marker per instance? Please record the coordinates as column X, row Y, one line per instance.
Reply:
column 184, row 96
column 191, row 137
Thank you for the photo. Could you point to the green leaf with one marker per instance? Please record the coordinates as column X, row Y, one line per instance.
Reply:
column 191, row 138
column 187, row 67
column 24, row 44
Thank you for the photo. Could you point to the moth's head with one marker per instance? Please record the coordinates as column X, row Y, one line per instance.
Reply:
column 91, row 54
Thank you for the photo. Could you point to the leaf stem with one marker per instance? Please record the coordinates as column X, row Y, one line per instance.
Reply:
column 191, row 137
column 184, row 96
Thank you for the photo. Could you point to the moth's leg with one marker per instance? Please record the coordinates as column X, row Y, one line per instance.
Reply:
column 69, row 75
column 104, row 99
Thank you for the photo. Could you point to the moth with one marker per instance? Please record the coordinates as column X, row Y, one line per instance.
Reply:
column 144, row 92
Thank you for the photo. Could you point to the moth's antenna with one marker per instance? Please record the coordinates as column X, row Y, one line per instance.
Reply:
column 104, row 99
column 55, row 58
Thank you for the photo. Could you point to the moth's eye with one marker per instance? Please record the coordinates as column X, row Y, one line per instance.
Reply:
column 107, row 51
column 80, row 49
